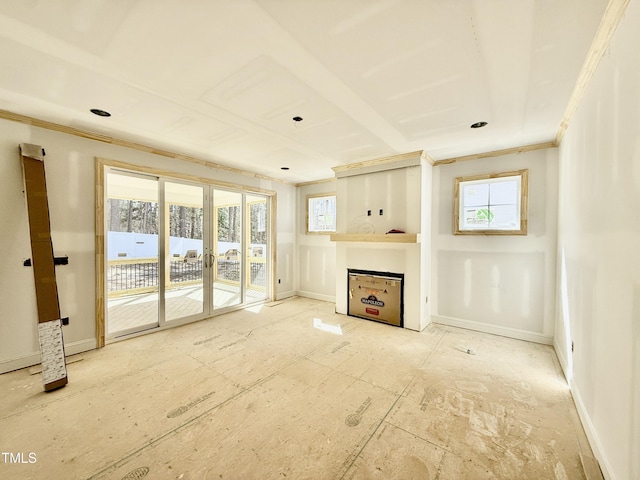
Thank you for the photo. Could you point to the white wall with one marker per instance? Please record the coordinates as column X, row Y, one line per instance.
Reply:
column 395, row 192
column 285, row 240
column 426, row 206
column 69, row 166
column 599, row 255
column 399, row 193
column 316, row 254
column 495, row 283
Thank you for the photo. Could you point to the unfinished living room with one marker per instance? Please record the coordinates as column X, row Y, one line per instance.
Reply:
column 269, row 239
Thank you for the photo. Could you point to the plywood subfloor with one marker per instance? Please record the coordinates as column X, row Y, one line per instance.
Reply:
column 278, row 393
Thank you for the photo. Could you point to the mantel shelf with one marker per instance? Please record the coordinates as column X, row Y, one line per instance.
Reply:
column 376, row 237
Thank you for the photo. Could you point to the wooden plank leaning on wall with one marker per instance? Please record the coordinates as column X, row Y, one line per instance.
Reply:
column 54, row 372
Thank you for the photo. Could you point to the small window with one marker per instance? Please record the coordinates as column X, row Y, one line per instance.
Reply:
column 321, row 213
column 494, row 204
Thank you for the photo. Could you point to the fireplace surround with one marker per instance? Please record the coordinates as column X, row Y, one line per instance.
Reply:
column 373, row 198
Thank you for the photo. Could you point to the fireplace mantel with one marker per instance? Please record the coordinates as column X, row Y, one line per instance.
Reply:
column 372, row 237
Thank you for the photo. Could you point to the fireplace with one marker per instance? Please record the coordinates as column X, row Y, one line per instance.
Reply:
column 372, row 198
column 376, row 296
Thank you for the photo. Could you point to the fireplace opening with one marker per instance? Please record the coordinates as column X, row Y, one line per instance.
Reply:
column 377, row 296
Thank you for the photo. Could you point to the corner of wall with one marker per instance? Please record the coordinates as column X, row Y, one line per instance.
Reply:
column 591, row 433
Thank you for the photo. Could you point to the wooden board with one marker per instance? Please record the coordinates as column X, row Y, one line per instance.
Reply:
column 54, row 374
column 411, row 159
column 497, row 153
column 379, row 238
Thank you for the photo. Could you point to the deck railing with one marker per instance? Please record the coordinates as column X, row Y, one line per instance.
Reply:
column 141, row 274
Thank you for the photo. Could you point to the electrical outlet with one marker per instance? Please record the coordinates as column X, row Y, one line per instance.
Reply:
column 380, row 211
column 279, row 280
column 368, row 213
column 572, row 346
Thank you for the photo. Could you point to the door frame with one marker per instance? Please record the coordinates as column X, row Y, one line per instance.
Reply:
column 101, row 164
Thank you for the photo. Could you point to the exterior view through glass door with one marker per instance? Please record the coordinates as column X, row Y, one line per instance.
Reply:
column 184, row 250
column 132, row 221
column 239, row 248
column 179, row 252
column 256, row 253
column 227, row 249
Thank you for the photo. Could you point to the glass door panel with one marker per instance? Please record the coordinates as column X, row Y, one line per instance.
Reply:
column 178, row 251
column 256, row 255
column 132, row 220
column 184, row 251
column 228, row 272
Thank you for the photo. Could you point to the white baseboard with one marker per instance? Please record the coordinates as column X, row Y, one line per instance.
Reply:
column 23, row 361
column 493, row 329
column 562, row 360
column 283, row 295
column 592, row 434
column 583, row 415
column 424, row 323
column 31, row 359
column 316, row 296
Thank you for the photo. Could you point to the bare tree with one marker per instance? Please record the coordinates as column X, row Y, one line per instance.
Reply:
column 114, row 215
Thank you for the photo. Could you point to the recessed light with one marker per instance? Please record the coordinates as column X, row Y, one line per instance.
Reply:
column 284, row 168
column 479, row 125
column 100, row 113
column 297, row 119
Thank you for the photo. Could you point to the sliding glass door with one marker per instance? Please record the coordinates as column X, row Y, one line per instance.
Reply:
column 257, row 234
column 184, row 249
column 227, row 249
column 240, row 245
column 132, row 222
column 179, row 251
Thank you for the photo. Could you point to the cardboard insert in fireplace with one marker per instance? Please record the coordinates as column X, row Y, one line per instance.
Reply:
column 376, row 296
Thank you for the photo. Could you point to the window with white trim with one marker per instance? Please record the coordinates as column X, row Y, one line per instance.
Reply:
column 321, row 213
column 493, row 204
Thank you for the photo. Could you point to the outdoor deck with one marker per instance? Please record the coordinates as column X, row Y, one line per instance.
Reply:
column 140, row 309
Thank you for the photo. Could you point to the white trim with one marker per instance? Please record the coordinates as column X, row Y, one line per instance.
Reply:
column 283, row 295
column 562, row 359
column 493, row 329
column 592, row 433
column 316, row 296
column 425, row 322
column 17, row 363
column 31, row 359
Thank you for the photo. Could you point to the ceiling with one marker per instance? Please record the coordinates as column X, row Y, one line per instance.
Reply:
column 221, row 80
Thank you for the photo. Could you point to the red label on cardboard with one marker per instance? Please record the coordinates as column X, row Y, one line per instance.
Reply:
column 372, row 311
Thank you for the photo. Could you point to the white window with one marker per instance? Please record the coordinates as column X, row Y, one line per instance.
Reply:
column 321, row 213
column 491, row 204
